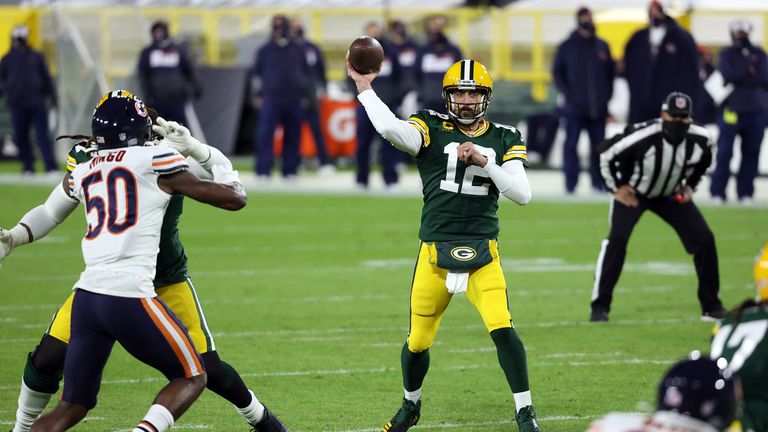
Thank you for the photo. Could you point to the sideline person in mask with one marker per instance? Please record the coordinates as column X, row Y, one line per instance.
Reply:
column 744, row 113
column 433, row 60
column 26, row 84
column 167, row 75
column 656, row 166
column 387, row 87
column 583, row 72
column 281, row 81
column 659, row 59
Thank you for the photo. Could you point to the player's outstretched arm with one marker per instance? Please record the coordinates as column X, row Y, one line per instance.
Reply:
column 39, row 221
column 180, row 139
column 398, row 132
column 218, row 193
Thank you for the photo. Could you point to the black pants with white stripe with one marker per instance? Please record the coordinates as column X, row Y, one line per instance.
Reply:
column 690, row 227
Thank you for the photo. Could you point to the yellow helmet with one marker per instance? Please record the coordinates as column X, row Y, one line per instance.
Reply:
column 467, row 75
column 761, row 274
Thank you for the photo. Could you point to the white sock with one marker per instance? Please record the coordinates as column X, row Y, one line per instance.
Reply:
column 254, row 412
column 522, row 400
column 158, row 419
column 31, row 405
column 413, row 396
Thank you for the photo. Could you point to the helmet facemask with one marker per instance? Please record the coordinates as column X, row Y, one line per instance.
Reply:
column 478, row 109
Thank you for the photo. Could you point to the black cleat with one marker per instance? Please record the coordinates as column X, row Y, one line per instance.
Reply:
column 713, row 315
column 408, row 415
column 598, row 315
column 526, row 419
column 269, row 423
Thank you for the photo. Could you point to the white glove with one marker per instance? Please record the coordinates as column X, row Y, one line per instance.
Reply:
column 225, row 175
column 6, row 243
column 178, row 138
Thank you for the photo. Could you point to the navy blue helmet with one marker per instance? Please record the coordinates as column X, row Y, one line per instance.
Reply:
column 120, row 120
column 699, row 389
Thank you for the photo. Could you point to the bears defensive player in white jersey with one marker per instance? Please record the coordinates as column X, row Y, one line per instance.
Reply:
column 126, row 188
column 44, row 366
column 695, row 395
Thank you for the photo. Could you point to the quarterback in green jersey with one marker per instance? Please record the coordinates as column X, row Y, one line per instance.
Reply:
column 465, row 163
column 742, row 340
column 44, row 368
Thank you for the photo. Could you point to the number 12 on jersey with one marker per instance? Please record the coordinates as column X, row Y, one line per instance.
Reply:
column 466, row 187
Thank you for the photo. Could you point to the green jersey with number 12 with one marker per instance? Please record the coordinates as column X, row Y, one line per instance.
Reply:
column 460, row 200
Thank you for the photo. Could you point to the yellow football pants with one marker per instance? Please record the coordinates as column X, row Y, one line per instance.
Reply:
column 486, row 290
column 181, row 298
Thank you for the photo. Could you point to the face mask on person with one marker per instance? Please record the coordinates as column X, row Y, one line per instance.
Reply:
column 674, row 131
column 741, row 41
column 657, row 21
column 280, row 34
column 587, row 26
column 438, row 38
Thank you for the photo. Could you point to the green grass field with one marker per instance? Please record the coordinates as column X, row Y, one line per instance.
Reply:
column 307, row 297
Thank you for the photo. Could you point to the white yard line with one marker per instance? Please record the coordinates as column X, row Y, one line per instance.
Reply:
column 546, row 419
column 394, row 369
column 473, row 424
column 334, row 332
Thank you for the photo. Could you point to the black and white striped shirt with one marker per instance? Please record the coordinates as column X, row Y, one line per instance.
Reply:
column 642, row 158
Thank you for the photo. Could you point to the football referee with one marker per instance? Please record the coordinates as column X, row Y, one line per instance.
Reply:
column 656, row 166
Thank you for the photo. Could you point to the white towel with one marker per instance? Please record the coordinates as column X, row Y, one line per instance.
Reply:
column 456, row 282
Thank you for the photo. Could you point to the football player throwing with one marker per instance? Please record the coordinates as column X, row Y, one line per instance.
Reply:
column 465, row 163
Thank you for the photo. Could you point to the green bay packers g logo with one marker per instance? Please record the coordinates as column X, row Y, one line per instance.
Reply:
column 463, row 253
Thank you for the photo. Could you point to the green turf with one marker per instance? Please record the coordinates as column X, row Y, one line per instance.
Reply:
column 307, row 297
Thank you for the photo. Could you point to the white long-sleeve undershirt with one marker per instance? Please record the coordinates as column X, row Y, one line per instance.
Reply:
column 509, row 178
column 398, row 132
column 511, row 181
column 39, row 221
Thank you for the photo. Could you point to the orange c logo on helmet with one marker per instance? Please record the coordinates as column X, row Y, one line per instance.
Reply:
column 140, row 108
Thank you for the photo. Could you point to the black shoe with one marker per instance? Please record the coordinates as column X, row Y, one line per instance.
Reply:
column 408, row 415
column 526, row 420
column 269, row 423
column 713, row 315
column 598, row 315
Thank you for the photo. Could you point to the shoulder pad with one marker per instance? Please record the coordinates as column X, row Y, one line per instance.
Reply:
column 78, row 154
column 507, row 127
column 437, row 114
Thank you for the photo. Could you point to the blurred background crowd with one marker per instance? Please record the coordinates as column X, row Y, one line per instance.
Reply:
column 266, row 79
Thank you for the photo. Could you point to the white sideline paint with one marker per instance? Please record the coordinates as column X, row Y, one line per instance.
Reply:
column 548, row 186
column 510, row 267
column 403, row 329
